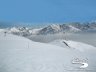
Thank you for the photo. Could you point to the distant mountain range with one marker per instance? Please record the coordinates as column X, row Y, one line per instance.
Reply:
column 53, row 29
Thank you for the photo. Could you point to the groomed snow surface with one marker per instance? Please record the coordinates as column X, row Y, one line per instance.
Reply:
column 18, row 54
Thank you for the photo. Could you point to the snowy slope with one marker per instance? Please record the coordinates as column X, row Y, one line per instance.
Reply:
column 73, row 45
column 18, row 54
column 2, row 30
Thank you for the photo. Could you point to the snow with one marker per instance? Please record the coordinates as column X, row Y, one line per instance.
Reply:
column 2, row 30
column 74, row 45
column 35, row 31
column 18, row 54
column 14, row 29
column 80, row 46
column 55, row 27
column 72, row 28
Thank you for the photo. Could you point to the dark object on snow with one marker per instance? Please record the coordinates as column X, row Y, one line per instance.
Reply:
column 5, row 33
column 66, row 44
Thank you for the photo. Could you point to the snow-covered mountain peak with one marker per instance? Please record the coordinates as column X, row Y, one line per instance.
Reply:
column 14, row 29
column 55, row 27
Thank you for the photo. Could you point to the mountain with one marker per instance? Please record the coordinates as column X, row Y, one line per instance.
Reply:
column 54, row 29
column 69, row 27
column 22, row 31
column 18, row 54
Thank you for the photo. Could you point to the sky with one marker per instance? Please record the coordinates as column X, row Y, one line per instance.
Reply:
column 47, row 11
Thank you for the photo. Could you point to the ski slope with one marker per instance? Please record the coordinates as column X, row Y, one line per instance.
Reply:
column 18, row 54
column 82, row 47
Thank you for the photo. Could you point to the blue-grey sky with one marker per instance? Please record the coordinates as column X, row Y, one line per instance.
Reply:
column 47, row 11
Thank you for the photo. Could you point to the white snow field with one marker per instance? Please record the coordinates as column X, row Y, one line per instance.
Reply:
column 18, row 54
column 74, row 45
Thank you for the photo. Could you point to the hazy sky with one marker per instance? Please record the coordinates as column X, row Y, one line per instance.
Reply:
column 47, row 11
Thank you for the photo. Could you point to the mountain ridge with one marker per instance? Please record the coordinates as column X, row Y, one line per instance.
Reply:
column 53, row 29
